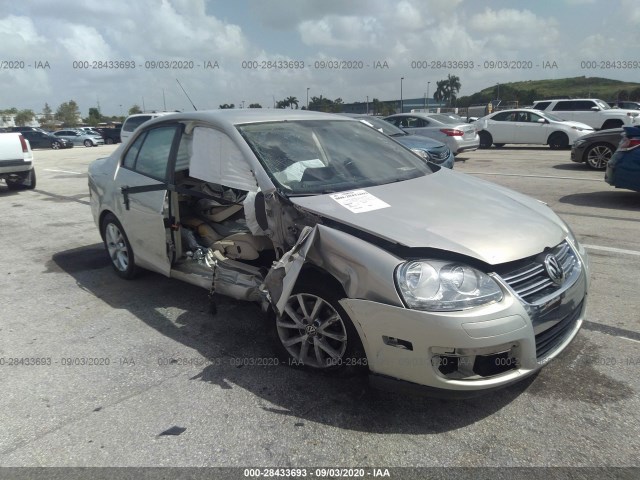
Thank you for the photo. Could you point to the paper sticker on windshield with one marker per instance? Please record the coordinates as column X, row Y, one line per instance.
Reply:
column 359, row 201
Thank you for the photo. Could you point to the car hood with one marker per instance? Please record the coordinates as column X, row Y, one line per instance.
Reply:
column 451, row 212
column 612, row 132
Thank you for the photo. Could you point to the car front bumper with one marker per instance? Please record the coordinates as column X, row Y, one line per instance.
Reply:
column 467, row 352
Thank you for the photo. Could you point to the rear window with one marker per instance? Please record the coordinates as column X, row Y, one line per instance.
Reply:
column 541, row 105
column 134, row 122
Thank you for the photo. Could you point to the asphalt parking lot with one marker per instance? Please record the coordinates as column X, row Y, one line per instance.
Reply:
column 170, row 385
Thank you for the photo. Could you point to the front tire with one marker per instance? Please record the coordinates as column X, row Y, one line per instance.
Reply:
column 597, row 155
column 558, row 141
column 88, row 143
column 55, row 145
column 485, row 139
column 316, row 333
column 109, row 141
column 118, row 247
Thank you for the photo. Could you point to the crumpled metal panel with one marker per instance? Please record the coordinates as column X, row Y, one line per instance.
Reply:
column 237, row 280
column 363, row 269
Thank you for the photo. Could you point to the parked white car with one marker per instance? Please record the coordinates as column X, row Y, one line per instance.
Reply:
column 592, row 111
column 528, row 126
column 134, row 121
column 16, row 161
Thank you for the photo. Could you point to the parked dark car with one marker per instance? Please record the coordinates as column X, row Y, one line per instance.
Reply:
column 623, row 170
column 40, row 139
column 595, row 149
column 110, row 135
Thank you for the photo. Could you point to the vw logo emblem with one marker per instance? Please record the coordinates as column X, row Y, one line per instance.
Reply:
column 554, row 269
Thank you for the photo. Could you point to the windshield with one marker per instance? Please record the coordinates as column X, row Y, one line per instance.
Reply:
column 379, row 124
column 603, row 105
column 326, row 156
column 551, row 116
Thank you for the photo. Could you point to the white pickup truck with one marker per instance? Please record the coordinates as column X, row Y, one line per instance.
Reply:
column 16, row 161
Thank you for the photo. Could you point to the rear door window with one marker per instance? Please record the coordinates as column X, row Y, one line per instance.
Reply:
column 149, row 155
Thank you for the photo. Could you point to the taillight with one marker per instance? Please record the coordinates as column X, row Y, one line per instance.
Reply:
column 628, row 144
column 23, row 142
column 452, row 132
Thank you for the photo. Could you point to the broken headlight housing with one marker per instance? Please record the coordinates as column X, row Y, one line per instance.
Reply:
column 440, row 286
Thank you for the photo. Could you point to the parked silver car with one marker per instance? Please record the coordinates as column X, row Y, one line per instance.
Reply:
column 458, row 136
column 366, row 257
column 78, row 137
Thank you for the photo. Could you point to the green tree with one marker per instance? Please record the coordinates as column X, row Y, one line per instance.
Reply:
column 291, row 101
column 282, row 103
column 453, row 87
column 47, row 121
column 227, row 106
column 68, row 113
column 94, row 118
column 337, row 105
column 23, row 117
column 447, row 89
column 376, row 106
column 255, row 105
column 135, row 108
column 8, row 113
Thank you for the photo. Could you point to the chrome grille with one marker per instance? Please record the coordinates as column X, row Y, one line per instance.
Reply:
column 549, row 339
column 439, row 153
column 531, row 281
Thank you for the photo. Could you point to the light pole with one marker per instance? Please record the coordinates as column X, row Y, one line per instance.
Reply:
column 401, row 101
column 307, row 98
column 428, row 83
column 367, row 104
column 498, row 93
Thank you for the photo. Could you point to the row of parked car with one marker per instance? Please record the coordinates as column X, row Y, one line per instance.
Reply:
column 67, row 138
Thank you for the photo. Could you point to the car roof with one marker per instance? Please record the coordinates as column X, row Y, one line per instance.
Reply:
column 231, row 117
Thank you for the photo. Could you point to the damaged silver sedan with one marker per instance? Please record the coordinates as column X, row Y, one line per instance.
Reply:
column 363, row 255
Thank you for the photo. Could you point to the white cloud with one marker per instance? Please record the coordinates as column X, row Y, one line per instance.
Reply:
column 86, row 43
column 345, row 31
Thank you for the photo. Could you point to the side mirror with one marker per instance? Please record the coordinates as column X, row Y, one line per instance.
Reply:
column 542, row 121
column 595, row 109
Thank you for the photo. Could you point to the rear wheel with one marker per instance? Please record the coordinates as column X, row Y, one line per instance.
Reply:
column 24, row 182
column 485, row 139
column 597, row 155
column 315, row 332
column 88, row 143
column 558, row 141
column 109, row 141
column 118, row 247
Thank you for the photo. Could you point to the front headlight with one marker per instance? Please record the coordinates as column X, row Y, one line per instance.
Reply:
column 421, row 153
column 436, row 285
column 578, row 143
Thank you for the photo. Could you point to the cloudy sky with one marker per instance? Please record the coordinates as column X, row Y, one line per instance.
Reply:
column 65, row 35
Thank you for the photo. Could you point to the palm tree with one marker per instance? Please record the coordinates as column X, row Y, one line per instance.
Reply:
column 291, row 101
column 453, row 87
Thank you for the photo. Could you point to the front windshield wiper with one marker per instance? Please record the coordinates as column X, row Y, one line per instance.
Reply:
column 399, row 134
